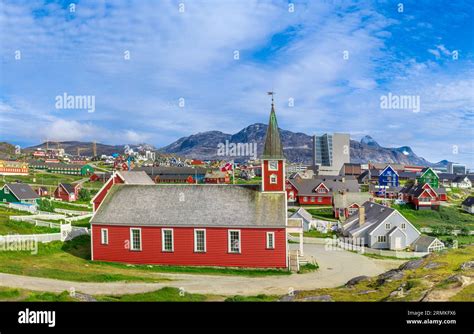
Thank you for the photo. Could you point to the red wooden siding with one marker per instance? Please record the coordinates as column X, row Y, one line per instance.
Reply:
column 253, row 247
column 315, row 200
column 280, row 185
column 101, row 195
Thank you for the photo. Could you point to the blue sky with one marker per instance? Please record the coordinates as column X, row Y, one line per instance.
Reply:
column 190, row 55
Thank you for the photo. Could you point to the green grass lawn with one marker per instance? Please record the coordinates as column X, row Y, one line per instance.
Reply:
column 317, row 234
column 441, row 222
column 8, row 226
column 42, row 178
column 50, row 205
column 452, row 217
column 163, row 295
column 9, row 294
column 71, row 261
column 322, row 213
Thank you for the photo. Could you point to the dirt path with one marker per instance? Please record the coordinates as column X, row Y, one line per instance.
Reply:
column 336, row 268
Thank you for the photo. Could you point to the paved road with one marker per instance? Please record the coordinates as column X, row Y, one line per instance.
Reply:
column 336, row 268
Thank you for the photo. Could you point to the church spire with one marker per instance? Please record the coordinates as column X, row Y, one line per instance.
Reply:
column 273, row 148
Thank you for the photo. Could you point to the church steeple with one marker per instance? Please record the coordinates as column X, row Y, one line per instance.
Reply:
column 273, row 148
column 273, row 161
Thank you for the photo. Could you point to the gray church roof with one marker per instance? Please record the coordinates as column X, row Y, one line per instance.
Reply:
column 191, row 205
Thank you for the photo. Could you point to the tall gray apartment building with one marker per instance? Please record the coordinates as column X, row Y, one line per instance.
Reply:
column 331, row 150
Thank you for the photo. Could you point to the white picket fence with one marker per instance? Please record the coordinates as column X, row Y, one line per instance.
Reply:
column 72, row 212
column 21, row 207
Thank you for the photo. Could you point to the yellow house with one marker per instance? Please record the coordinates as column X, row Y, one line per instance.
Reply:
column 13, row 168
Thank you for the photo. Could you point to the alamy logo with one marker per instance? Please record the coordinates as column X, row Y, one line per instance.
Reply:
column 407, row 102
column 237, row 149
column 67, row 101
column 37, row 317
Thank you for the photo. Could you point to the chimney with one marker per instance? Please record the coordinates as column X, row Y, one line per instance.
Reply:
column 361, row 215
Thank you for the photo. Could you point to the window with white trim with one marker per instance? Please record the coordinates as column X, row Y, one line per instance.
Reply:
column 200, row 241
column 135, row 239
column 381, row 238
column 167, row 240
column 273, row 179
column 6, row 190
column 387, row 226
column 234, row 241
column 104, row 236
column 273, row 165
column 404, row 226
column 270, row 240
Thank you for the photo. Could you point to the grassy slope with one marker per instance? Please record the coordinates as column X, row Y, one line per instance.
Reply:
column 71, row 261
column 417, row 281
column 14, row 227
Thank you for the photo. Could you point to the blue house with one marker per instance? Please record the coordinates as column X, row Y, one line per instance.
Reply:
column 388, row 177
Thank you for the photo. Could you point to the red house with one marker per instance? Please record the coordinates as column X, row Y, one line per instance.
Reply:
column 198, row 224
column 422, row 196
column 138, row 177
column 67, row 192
column 318, row 190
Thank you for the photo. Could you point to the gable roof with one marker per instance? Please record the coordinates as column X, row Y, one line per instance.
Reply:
column 424, row 241
column 22, row 191
column 389, row 167
column 135, row 177
column 191, row 205
column 302, row 213
column 306, row 187
column 468, row 201
column 68, row 187
column 416, row 190
column 349, row 198
column 375, row 214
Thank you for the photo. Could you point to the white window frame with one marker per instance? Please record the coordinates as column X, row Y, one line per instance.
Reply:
column 403, row 226
column 272, row 234
column 388, row 226
column 195, row 240
column 132, row 248
column 270, row 165
column 6, row 191
column 104, row 238
column 381, row 238
column 229, row 246
column 273, row 179
column 163, row 240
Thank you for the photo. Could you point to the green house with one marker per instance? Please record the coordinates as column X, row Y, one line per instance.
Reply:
column 61, row 168
column 429, row 176
column 18, row 193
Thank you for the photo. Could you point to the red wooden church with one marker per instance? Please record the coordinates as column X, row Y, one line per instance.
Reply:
column 198, row 224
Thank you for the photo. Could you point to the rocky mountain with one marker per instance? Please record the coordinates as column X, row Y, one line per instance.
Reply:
column 297, row 147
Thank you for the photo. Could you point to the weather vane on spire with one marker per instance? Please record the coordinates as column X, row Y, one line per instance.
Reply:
column 271, row 93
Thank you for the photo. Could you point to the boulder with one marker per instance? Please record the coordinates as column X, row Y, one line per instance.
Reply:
column 469, row 265
column 322, row 298
column 410, row 265
column 432, row 265
column 391, row 275
column 356, row 280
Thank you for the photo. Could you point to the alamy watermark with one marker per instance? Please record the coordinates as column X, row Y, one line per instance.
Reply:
column 67, row 101
column 18, row 243
column 228, row 149
column 404, row 102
